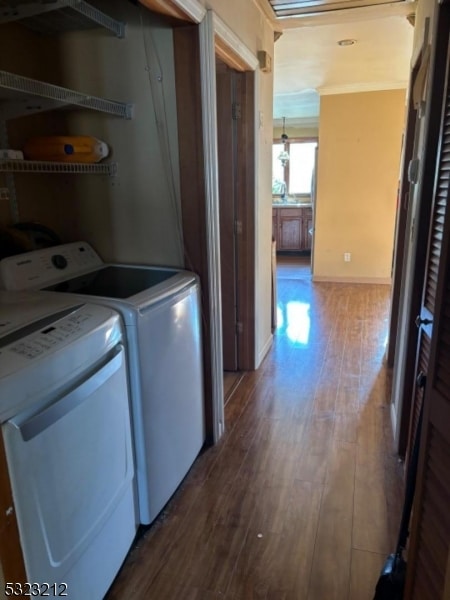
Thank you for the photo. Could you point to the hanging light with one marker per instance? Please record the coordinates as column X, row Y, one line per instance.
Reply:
column 284, row 155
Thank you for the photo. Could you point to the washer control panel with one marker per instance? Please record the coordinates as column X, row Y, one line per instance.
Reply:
column 41, row 268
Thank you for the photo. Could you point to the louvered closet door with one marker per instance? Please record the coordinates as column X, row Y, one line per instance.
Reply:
column 425, row 317
column 428, row 574
column 422, row 367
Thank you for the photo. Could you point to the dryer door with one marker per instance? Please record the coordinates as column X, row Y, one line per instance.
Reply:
column 71, row 471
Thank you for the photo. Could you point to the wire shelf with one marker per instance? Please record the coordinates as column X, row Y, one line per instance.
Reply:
column 58, row 16
column 63, row 96
column 38, row 166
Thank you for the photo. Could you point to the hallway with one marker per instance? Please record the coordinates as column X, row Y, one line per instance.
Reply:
column 301, row 498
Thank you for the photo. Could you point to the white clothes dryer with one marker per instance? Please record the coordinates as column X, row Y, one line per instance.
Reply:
column 66, row 428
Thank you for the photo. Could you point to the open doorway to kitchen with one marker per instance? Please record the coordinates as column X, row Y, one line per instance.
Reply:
column 294, row 167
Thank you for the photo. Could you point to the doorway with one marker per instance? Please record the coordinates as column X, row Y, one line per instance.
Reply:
column 235, row 133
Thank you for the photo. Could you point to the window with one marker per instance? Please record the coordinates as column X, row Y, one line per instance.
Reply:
column 296, row 176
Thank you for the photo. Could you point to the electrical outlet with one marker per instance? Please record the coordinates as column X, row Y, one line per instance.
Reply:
column 347, row 257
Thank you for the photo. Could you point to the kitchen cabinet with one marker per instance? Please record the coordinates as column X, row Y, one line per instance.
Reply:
column 290, row 228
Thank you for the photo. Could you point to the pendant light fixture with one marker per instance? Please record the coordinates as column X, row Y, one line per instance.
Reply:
column 284, row 155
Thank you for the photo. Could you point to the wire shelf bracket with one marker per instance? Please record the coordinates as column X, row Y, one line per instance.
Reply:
column 66, row 15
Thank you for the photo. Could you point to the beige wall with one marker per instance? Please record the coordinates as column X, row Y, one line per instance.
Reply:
column 263, row 291
column 134, row 217
column 358, row 169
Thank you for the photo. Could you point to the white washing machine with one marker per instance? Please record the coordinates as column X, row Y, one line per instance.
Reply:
column 161, row 310
column 65, row 422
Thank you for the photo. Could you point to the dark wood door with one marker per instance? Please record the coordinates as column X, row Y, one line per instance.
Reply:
column 236, row 156
column 428, row 572
column 226, row 130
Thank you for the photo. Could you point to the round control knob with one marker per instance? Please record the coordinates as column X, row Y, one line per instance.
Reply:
column 59, row 261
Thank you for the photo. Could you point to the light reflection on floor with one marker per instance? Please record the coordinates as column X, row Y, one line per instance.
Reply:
column 294, row 321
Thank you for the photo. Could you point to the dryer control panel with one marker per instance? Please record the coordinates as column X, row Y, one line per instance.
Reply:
column 40, row 268
column 43, row 355
column 48, row 338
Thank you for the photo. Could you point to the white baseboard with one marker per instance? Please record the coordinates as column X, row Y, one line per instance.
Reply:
column 331, row 279
column 264, row 350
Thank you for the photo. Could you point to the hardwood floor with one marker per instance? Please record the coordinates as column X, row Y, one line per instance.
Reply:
column 231, row 381
column 301, row 498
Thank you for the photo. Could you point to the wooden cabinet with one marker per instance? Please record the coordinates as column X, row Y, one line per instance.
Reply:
column 290, row 228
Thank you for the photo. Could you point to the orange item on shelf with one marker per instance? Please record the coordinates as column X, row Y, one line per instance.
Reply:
column 66, row 148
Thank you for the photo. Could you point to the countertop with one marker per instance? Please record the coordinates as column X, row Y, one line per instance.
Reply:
column 291, row 205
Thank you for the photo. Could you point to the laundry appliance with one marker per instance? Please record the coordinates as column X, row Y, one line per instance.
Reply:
column 161, row 310
column 66, row 428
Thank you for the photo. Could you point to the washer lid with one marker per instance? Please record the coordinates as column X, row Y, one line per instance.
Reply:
column 115, row 281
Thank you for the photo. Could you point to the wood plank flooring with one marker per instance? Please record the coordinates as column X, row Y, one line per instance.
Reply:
column 301, row 498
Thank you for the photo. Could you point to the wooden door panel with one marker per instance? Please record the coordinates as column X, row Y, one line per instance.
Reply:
column 226, row 158
column 428, row 566
column 438, row 217
column 290, row 233
column 422, row 367
column 442, row 380
column 428, row 563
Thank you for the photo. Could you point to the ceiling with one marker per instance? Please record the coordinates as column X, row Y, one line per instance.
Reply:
column 308, row 62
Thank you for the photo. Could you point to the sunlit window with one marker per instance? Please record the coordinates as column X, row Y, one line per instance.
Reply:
column 295, row 176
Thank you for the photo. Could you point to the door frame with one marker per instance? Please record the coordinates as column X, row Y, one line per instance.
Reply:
column 401, row 221
column 217, row 38
column 196, row 89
